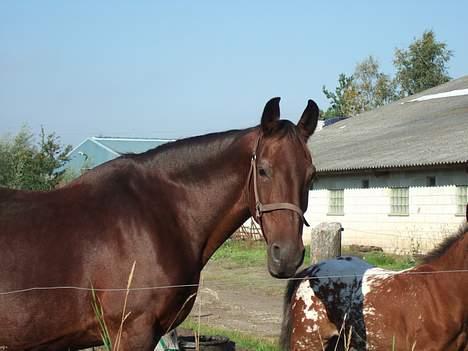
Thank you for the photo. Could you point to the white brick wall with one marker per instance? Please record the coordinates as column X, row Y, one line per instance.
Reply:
column 366, row 219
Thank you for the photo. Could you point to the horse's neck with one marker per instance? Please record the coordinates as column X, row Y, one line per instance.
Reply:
column 453, row 267
column 455, row 257
column 214, row 185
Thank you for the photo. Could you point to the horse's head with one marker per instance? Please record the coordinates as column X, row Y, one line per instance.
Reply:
column 281, row 174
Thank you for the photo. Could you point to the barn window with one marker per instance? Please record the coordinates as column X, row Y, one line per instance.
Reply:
column 462, row 199
column 336, row 202
column 365, row 183
column 399, row 202
column 431, row 181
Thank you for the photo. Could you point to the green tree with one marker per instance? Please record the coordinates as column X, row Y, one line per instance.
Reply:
column 344, row 100
column 367, row 88
column 374, row 87
column 423, row 65
column 27, row 165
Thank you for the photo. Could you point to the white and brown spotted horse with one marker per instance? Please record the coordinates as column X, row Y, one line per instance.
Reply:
column 347, row 304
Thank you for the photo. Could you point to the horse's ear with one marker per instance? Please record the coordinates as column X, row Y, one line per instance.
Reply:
column 309, row 119
column 271, row 113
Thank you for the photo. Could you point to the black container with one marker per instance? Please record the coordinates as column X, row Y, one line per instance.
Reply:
column 207, row 343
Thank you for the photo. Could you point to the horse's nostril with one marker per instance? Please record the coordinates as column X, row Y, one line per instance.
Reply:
column 276, row 252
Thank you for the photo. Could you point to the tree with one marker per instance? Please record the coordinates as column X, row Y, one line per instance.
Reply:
column 343, row 102
column 366, row 89
column 375, row 88
column 423, row 65
column 29, row 165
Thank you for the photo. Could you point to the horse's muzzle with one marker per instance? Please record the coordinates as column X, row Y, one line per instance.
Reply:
column 283, row 262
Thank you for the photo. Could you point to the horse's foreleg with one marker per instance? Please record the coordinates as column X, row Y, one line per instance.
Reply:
column 137, row 334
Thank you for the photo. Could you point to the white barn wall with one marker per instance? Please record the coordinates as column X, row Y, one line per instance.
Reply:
column 366, row 219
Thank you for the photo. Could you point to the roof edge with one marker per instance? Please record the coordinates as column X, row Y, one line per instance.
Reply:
column 386, row 168
column 104, row 146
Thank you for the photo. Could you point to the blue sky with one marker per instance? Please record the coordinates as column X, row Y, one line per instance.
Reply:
column 178, row 68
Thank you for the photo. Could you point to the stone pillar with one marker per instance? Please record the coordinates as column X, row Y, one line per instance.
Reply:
column 325, row 241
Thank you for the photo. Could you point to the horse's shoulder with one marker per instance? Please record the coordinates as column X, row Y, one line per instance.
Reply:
column 6, row 194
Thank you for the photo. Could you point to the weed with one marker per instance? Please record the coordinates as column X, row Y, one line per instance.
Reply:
column 99, row 313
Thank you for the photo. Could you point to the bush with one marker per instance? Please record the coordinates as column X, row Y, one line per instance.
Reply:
column 29, row 165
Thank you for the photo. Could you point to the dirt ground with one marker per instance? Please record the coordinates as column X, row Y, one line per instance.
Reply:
column 243, row 299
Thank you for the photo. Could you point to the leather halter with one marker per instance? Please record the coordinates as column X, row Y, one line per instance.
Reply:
column 262, row 208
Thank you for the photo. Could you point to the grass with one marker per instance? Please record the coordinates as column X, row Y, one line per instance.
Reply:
column 383, row 260
column 389, row 261
column 251, row 256
column 252, row 253
column 241, row 252
column 242, row 340
column 99, row 313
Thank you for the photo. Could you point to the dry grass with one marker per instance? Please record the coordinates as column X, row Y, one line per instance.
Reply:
column 99, row 313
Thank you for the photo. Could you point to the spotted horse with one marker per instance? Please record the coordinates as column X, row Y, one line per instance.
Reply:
column 347, row 304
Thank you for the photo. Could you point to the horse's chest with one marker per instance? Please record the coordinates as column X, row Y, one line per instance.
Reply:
column 178, row 302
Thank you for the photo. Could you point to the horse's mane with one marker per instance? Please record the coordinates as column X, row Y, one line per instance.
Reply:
column 195, row 148
column 440, row 249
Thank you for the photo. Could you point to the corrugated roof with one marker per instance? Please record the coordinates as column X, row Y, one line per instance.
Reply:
column 129, row 145
column 401, row 134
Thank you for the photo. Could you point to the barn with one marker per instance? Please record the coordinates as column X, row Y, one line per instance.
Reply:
column 96, row 150
column 395, row 177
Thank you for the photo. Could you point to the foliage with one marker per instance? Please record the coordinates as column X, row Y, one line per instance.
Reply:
column 29, row 165
column 367, row 88
column 423, row 65
column 344, row 101
column 375, row 88
column 99, row 313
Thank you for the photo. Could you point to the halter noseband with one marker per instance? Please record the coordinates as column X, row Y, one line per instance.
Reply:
column 262, row 208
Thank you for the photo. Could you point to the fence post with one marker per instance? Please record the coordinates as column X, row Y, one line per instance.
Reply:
column 325, row 241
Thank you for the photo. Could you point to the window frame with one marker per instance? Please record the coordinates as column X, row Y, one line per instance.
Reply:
column 431, row 181
column 335, row 202
column 461, row 200
column 399, row 204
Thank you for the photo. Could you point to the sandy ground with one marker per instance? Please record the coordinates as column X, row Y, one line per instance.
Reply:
column 244, row 299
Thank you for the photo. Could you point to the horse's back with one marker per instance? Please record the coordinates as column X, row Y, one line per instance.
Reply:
column 73, row 236
column 48, row 237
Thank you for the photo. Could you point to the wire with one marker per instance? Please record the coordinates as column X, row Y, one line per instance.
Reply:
column 71, row 287
column 379, row 273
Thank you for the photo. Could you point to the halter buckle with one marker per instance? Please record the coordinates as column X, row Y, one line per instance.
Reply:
column 258, row 209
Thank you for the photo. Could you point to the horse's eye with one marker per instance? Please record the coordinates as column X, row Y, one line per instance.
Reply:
column 262, row 172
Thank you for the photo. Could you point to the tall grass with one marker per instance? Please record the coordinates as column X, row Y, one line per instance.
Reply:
column 99, row 313
column 125, row 314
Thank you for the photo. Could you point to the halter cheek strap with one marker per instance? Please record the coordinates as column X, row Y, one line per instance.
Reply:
column 262, row 208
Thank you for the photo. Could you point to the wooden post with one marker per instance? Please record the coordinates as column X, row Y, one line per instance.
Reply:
column 325, row 242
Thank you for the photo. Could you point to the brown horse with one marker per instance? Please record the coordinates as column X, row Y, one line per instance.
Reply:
column 168, row 209
column 346, row 304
